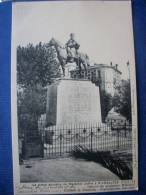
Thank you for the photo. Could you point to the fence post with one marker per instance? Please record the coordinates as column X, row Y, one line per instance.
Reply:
column 60, row 144
column 118, row 136
column 125, row 129
column 42, row 131
column 111, row 124
column 91, row 139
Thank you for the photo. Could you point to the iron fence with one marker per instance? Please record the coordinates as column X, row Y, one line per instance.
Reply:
column 59, row 141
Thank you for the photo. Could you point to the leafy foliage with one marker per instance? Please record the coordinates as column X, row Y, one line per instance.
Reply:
column 31, row 103
column 105, row 99
column 106, row 103
column 36, row 64
column 106, row 159
column 122, row 99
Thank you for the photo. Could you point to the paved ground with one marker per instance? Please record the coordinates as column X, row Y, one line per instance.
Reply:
column 65, row 169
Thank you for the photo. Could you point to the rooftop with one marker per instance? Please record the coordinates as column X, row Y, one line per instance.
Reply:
column 114, row 67
column 101, row 66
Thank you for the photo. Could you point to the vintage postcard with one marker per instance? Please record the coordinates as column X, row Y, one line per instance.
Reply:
column 73, row 97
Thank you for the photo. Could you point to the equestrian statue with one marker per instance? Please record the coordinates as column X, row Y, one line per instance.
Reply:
column 70, row 54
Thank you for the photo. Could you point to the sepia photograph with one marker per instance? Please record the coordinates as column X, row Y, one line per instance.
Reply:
column 74, row 111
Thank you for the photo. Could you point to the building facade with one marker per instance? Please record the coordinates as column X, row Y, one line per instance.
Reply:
column 107, row 77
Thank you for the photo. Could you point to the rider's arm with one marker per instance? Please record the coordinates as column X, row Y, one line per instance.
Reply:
column 77, row 45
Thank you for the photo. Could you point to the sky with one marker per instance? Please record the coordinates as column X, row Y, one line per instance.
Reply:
column 102, row 28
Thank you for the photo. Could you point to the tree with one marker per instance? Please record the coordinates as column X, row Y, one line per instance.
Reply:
column 36, row 65
column 105, row 99
column 106, row 103
column 31, row 103
column 122, row 99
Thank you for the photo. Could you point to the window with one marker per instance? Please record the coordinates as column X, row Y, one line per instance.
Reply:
column 99, row 74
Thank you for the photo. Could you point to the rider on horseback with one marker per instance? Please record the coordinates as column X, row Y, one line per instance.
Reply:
column 72, row 48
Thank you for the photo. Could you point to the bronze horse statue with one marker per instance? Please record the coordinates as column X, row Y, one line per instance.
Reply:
column 80, row 59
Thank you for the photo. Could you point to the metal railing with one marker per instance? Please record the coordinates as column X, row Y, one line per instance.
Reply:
column 59, row 141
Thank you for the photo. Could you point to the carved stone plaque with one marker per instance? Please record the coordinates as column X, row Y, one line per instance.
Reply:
column 73, row 102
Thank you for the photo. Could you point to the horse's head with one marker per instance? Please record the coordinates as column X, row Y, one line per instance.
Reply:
column 52, row 42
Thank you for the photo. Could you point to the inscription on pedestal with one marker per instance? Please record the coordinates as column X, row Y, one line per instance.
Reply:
column 77, row 101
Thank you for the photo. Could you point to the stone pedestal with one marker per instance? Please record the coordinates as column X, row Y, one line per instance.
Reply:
column 71, row 101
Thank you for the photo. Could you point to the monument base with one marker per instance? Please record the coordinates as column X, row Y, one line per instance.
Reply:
column 73, row 102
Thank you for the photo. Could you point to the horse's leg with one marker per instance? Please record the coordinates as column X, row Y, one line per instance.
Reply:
column 85, row 68
column 78, row 62
column 84, row 63
column 63, row 63
column 63, row 69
